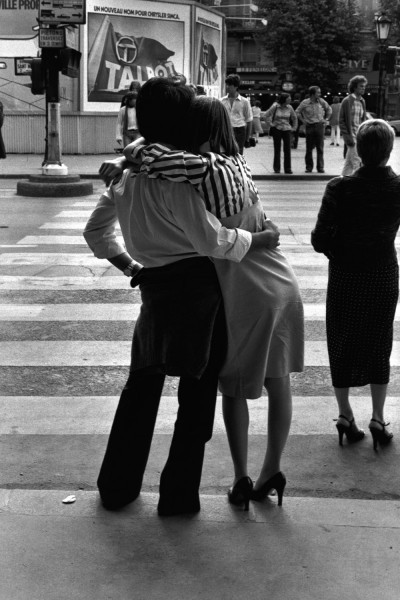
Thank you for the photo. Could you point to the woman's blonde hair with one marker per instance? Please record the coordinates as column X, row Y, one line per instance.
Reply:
column 375, row 140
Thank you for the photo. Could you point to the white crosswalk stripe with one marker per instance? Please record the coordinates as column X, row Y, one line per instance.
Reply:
column 84, row 415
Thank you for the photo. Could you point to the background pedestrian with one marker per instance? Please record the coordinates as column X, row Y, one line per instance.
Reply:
column 283, row 121
column 334, row 121
column 356, row 229
column 295, row 134
column 239, row 111
column 257, row 129
column 127, row 128
column 314, row 112
column 134, row 87
column 352, row 114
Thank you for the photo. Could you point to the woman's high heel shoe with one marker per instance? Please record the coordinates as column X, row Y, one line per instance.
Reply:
column 351, row 430
column 380, row 436
column 240, row 493
column 277, row 482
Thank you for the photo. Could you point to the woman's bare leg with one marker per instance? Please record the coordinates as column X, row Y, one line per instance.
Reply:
column 378, row 393
column 344, row 406
column 279, row 421
column 236, row 418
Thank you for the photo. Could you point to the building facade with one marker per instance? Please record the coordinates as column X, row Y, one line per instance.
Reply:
column 261, row 79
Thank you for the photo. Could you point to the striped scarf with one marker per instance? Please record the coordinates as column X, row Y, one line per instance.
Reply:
column 224, row 182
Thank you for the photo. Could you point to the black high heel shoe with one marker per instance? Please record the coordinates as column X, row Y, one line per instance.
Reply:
column 277, row 482
column 380, row 436
column 351, row 430
column 240, row 493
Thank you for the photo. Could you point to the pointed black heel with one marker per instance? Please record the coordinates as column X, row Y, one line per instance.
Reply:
column 380, row 436
column 240, row 493
column 277, row 482
column 352, row 432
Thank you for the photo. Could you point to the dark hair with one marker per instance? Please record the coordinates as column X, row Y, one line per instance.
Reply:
column 193, row 87
column 283, row 96
column 335, row 100
column 257, row 103
column 354, row 81
column 375, row 140
column 130, row 95
column 135, row 86
column 209, row 122
column 312, row 90
column 161, row 109
column 179, row 78
column 233, row 80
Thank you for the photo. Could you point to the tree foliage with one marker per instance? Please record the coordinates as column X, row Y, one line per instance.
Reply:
column 311, row 38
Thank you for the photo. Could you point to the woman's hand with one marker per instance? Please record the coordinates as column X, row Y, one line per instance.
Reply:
column 111, row 168
column 268, row 237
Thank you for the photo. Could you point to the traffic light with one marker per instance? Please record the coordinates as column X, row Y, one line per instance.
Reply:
column 68, row 62
column 38, row 85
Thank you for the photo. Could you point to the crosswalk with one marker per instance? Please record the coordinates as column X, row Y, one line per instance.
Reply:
column 67, row 319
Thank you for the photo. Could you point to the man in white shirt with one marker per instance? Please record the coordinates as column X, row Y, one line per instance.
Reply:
column 239, row 110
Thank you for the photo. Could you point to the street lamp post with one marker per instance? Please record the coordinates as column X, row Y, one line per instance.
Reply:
column 382, row 24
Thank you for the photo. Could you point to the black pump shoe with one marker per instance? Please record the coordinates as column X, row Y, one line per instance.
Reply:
column 380, row 436
column 277, row 482
column 351, row 430
column 240, row 493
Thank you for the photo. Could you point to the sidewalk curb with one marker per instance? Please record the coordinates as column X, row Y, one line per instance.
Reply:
column 271, row 177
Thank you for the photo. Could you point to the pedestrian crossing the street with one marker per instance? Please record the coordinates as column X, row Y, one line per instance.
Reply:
column 67, row 319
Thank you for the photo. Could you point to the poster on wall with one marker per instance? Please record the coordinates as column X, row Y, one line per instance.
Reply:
column 208, row 51
column 127, row 40
column 18, row 37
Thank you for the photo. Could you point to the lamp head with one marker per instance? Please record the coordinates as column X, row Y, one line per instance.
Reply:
column 383, row 24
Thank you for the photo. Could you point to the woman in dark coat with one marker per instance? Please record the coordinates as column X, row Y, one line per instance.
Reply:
column 2, row 147
column 356, row 229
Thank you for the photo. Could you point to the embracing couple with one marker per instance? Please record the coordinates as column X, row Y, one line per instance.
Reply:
column 220, row 302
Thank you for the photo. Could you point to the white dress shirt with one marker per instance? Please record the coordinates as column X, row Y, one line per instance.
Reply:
column 161, row 222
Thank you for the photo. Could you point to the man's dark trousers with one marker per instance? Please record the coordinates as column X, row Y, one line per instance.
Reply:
column 240, row 136
column 315, row 139
column 128, row 448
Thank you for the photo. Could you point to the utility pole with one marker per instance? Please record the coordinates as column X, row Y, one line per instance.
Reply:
column 55, row 17
column 53, row 164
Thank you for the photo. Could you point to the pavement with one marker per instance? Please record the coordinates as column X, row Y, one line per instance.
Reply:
column 65, row 324
column 259, row 158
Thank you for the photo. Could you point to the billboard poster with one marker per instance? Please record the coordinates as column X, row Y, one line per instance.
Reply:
column 126, row 41
column 18, row 38
column 208, row 51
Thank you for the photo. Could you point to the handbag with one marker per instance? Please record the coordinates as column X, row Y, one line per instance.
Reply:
column 272, row 129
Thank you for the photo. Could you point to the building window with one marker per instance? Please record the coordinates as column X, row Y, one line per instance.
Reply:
column 249, row 52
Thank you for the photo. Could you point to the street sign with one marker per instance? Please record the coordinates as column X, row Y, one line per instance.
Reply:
column 23, row 66
column 52, row 38
column 287, row 86
column 62, row 11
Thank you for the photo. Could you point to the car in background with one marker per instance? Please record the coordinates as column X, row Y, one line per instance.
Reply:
column 394, row 123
